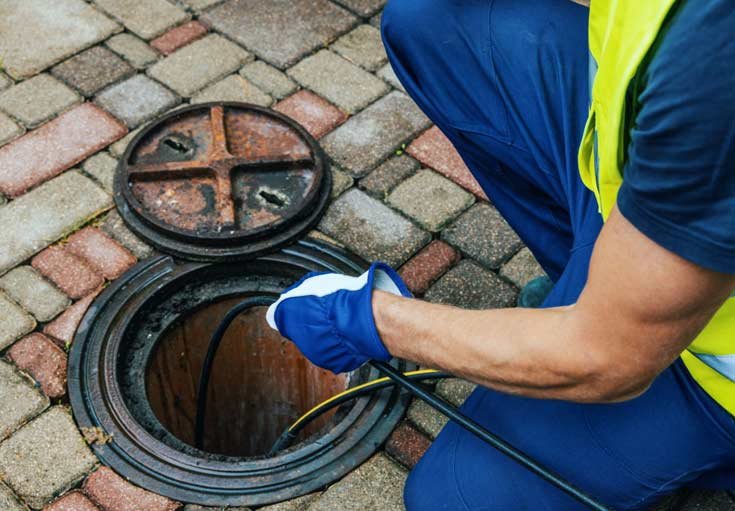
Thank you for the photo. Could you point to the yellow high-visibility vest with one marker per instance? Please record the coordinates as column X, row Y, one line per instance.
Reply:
column 621, row 34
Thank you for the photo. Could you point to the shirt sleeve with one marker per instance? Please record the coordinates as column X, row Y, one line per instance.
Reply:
column 679, row 177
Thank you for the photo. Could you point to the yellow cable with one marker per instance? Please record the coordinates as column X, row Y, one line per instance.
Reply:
column 355, row 389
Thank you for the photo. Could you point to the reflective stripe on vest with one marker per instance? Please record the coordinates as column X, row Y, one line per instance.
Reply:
column 621, row 33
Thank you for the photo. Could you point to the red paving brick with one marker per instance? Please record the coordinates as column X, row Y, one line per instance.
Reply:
column 62, row 328
column 317, row 115
column 103, row 253
column 407, row 444
column 178, row 37
column 428, row 265
column 54, row 147
column 72, row 274
column 72, row 501
column 434, row 150
column 37, row 355
column 113, row 493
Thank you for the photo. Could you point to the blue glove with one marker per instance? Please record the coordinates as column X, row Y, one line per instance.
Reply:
column 330, row 316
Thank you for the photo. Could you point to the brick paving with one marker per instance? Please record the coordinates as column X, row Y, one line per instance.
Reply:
column 81, row 77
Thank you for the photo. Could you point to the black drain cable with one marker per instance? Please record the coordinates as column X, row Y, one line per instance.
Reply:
column 407, row 381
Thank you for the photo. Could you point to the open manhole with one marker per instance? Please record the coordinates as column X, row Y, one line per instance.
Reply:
column 227, row 192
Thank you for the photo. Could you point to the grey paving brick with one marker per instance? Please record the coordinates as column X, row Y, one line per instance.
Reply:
column 470, row 286
column 371, row 136
column 8, row 500
column 338, row 80
column 430, row 199
column 269, row 79
column 705, row 500
column 386, row 73
column 297, row 504
column 375, row 20
column 281, row 32
column 522, row 268
column 9, row 129
column 34, row 293
column 5, row 81
column 341, row 181
column 484, row 235
column 375, row 485
column 37, row 99
column 363, row 7
column 92, row 70
column 20, row 400
column 233, row 88
column 199, row 5
column 45, row 457
column 455, row 390
column 371, row 229
column 198, row 64
column 363, row 46
column 118, row 148
column 35, row 34
column 116, row 228
column 132, row 49
column 14, row 322
column 45, row 214
column 136, row 100
column 145, row 18
column 381, row 181
column 428, row 420
column 102, row 167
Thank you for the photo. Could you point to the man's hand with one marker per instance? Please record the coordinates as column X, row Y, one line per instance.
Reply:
column 330, row 316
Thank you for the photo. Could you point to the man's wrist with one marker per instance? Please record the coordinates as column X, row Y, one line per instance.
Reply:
column 384, row 304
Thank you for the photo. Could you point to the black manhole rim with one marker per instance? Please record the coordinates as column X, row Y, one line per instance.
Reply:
column 99, row 401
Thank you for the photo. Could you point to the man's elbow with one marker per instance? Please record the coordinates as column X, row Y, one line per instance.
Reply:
column 614, row 379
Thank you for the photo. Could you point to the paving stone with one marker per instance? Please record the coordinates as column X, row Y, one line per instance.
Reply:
column 62, row 329
column 198, row 64
column 281, row 32
column 5, row 81
column 132, row 49
column 178, row 37
column 386, row 73
column 522, row 268
column 363, row 46
column 20, row 401
column 427, row 420
column 297, row 504
column 47, row 213
column 72, row 274
column 341, row 181
column 199, row 5
column 145, row 18
column 376, row 485
column 118, row 148
column 136, row 100
column 269, row 79
column 455, row 390
column 364, row 8
column 338, row 80
column 375, row 20
column 103, row 253
column 427, row 266
column 233, row 88
column 407, row 444
column 9, row 129
column 92, row 70
column 34, row 293
column 113, row 493
column 318, row 235
column 371, row 136
column 72, row 501
column 430, row 199
column 484, row 235
column 102, row 167
column 8, row 500
column 55, row 146
column 705, row 500
column 317, row 115
column 381, row 181
column 433, row 149
column 45, row 457
column 116, row 228
column 37, row 355
column 371, row 229
column 37, row 99
column 470, row 286
column 195, row 507
column 35, row 34
column 14, row 321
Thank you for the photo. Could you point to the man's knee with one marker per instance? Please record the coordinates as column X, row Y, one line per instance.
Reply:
column 398, row 24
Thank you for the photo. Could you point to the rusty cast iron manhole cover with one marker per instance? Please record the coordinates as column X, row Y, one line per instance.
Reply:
column 222, row 181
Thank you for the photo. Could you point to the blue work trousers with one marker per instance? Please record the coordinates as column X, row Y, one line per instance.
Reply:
column 507, row 82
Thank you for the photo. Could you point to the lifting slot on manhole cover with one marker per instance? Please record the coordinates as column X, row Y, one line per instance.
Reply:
column 227, row 192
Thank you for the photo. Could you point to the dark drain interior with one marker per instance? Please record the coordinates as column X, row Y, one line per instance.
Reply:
column 259, row 384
